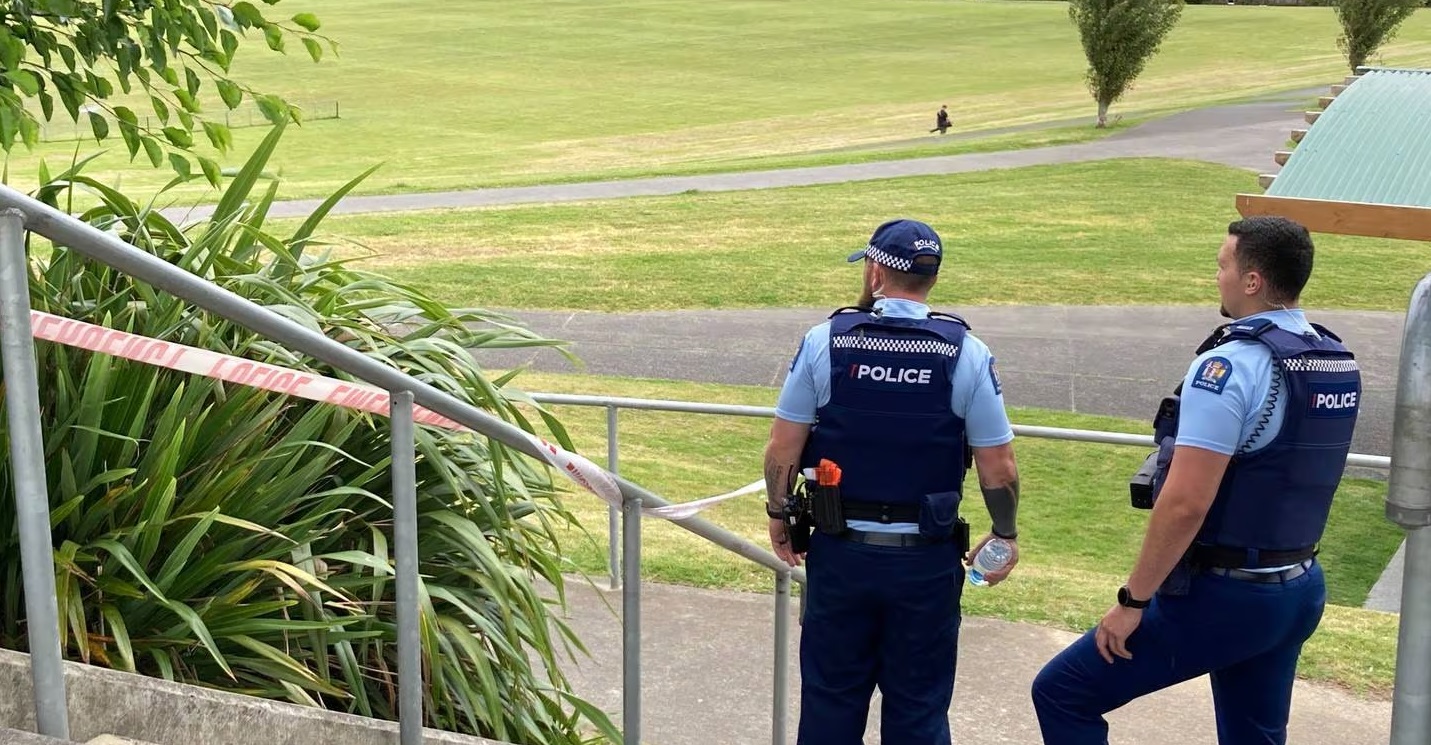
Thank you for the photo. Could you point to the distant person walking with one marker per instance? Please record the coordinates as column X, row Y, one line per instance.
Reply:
column 941, row 120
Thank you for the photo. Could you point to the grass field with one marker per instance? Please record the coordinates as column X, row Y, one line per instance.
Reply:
column 454, row 95
column 1110, row 232
column 1078, row 535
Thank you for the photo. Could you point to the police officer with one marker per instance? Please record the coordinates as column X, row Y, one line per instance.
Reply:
column 893, row 395
column 1251, row 450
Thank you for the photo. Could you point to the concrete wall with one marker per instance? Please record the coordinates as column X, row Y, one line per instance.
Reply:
column 105, row 701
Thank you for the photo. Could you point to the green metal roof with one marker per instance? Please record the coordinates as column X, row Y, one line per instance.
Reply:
column 1372, row 144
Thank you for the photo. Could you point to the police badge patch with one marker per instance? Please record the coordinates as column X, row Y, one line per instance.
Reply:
column 1212, row 375
column 994, row 376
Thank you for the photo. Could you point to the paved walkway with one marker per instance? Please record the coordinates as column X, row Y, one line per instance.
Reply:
column 1242, row 135
column 1118, row 361
column 707, row 659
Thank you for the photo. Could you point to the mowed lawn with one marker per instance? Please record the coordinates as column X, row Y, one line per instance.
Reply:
column 1119, row 232
column 454, row 95
column 1078, row 534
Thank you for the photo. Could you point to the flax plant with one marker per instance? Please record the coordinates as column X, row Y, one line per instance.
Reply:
column 228, row 537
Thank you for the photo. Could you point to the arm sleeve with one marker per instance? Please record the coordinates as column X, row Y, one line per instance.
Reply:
column 979, row 396
column 798, row 396
column 1214, row 401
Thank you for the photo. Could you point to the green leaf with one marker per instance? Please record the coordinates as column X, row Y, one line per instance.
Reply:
column 231, row 94
column 211, row 171
column 29, row 131
column 193, row 81
column 9, row 127
column 154, row 150
column 229, row 41
column 315, row 50
column 47, row 105
column 274, row 36
column 130, row 132
column 274, row 109
column 307, row 20
column 161, row 109
column 28, row 82
column 219, row 136
column 120, row 632
column 186, row 100
column 12, row 50
column 99, row 125
column 243, row 183
column 178, row 137
column 186, row 120
column 246, row 15
column 180, row 164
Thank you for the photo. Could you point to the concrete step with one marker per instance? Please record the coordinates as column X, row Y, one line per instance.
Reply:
column 17, row 737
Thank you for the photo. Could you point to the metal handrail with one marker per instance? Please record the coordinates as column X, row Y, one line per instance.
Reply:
column 1025, row 430
column 26, row 213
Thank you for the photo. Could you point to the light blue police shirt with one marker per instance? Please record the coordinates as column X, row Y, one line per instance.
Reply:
column 977, row 395
column 1226, row 394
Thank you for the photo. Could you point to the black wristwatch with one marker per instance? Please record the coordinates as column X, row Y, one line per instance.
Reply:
column 1126, row 600
column 776, row 515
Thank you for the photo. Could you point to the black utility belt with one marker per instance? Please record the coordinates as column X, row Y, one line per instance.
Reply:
column 880, row 513
column 1229, row 557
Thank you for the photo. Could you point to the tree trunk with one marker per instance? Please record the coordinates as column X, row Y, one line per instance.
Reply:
column 1102, row 114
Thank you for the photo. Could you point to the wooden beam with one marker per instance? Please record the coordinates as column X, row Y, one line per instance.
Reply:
column 1326, row 101
column 1265, row 180
column 1311, row 116
column 1337, row 89
column 1343, row 218
column 1298, row 134
column 1281, row 157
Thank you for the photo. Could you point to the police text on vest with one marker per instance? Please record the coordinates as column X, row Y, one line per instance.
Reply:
column 887, row 374
column 1335, row 401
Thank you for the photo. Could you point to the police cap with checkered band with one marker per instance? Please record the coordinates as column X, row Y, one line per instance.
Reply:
column 897, row 243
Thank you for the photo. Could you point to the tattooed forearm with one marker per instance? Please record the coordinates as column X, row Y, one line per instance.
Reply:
column 779, row 480
column 1003, row 503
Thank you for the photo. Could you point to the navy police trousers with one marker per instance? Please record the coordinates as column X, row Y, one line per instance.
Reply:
column 878, row 616
column 1246, row 635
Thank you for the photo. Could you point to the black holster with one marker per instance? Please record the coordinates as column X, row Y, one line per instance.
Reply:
column 825, row 507
column 797, row 519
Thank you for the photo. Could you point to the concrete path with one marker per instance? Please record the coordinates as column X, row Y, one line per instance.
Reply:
column 707, row 659
column 1097, row 360
column 1242, row 135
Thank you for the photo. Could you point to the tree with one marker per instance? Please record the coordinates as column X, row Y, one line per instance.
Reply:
column 1119, row 37
column 159, row 53
column 1368, row 24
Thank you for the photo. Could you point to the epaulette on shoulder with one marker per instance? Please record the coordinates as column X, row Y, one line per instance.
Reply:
column 1248, row 329
column 950, row 317
column 850, row 309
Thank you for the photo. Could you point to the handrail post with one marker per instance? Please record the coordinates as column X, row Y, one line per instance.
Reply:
column 27, row 467
column 613, row 525
column 631, row 621
column 1408, row 504
column 781, row 695
column 409, row 614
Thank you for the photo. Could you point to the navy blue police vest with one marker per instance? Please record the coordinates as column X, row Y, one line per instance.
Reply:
column 1277, row 498
column 889, row 423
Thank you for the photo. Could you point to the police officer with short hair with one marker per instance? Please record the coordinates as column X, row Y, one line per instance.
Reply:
column 1251, row 450
column 895, row 396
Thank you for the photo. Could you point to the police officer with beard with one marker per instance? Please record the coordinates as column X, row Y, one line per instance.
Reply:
column 1251, row 450
column 895, row 396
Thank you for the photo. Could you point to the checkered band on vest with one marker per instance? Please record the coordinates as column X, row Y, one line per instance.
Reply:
column 889, row 260
column 913, row 346
column 1320, row 365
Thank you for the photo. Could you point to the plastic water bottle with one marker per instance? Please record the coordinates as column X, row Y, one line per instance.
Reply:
column 995, row 554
